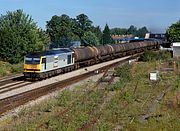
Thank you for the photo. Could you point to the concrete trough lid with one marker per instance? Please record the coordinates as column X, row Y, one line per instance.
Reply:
column 154, row 75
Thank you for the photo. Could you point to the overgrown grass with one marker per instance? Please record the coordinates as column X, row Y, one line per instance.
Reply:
column 126, row 108
column 124, row 74
column 155, row 56
column 8, row 69
column 131, row 98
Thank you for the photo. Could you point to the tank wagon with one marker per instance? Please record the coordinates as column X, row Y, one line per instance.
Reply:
column 48, row 63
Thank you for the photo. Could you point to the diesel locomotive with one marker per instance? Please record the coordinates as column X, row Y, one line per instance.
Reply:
column 52, row 62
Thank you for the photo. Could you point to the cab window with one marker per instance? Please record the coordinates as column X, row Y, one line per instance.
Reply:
column 32, row 60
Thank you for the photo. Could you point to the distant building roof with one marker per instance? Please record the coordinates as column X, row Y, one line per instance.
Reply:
column 122, row 37
column 129, row 38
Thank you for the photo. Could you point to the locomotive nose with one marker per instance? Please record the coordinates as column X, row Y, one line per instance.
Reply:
column 31, row 67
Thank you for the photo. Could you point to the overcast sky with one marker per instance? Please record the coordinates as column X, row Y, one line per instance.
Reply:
column 157, row 15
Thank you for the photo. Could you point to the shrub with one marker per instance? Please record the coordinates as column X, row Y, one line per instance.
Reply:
column 7, row 68
column 64, row 98
column 126, row 96
column 153, row 56
column 118, row 85
column 177, row 84
column 124, row 72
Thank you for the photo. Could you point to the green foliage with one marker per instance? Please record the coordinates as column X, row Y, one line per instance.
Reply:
column 19, row 35
column 103, row 110
column 49, row 107
column 119, row 31
column 124, row 72
column 137, row 32
column 105, row 126
column 106, row 37
column 177, row 84
column 98, row 33
column 64, row 98
column 7, row 68
column 126, row 96
column 153, row 56
column 118, row 85
column 141, row 32
column 54, row 124
column 173, row 32
column 60, row 30
column 82, row 24
column 90, row 39
column 63, row 30
column 82, row 119
column 132, row 30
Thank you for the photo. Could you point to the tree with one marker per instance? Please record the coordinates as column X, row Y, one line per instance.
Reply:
column 60, row 30
column 106, row 38
column 141, row 32
column 173, row 32
column 132, row 30
column 90, row 39
column 98, row 33
column 81, row 25
column 83, row 22
column 118, row 31
column 19, row 35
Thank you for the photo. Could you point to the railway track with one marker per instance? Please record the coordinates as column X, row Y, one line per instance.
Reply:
column 12, row 83
column 14, row 101
column 20, row 99
column 11, row 79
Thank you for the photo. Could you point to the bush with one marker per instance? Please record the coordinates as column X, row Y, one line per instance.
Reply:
column 118, row 85
column 7, row 68
column 177, row 84
column 154, row 56
column 124, row 72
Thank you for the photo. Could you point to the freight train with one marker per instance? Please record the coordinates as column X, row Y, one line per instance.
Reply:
column 53, row 62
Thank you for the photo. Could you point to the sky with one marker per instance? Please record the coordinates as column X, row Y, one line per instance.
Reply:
column 156, row 15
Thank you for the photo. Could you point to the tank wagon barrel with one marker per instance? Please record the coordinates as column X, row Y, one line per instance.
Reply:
column 85, row 53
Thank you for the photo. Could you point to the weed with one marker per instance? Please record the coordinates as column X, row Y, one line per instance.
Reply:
column 124, row 72
column 177, row 84
column 64, row 98
column 54, row 124
column 49, row 107
column 23, row 112
column 105, row 126
column 150, row 56
column 81, row 119
column 126, row 96
column 7, row 68
column 118, row 85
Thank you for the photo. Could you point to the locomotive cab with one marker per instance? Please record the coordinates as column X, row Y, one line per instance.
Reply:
column 32, row 65
column 47, row 63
